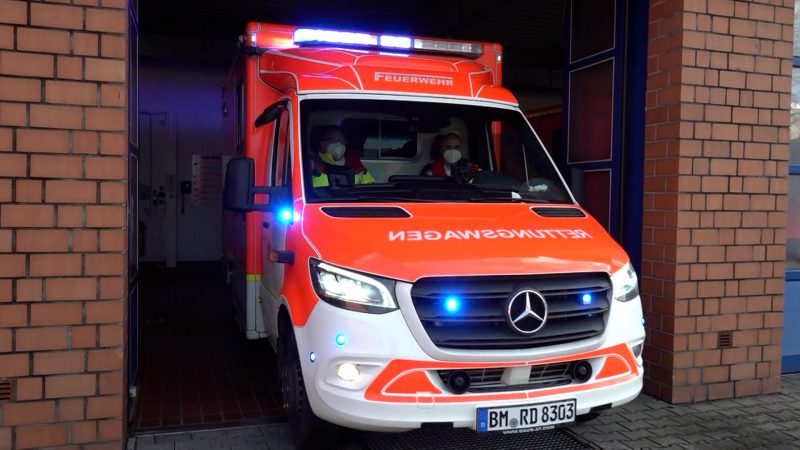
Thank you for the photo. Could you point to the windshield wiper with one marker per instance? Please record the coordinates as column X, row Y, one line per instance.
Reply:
column 500, row 199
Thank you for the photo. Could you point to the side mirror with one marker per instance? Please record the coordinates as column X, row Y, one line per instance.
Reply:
column 239, row 193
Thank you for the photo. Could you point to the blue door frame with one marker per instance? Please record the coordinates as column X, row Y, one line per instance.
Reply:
column 626, row 164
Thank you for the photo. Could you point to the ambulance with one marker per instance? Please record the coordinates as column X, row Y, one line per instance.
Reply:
column 395, row 294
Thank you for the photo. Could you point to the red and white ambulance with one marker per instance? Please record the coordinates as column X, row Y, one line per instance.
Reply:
column 403, row 281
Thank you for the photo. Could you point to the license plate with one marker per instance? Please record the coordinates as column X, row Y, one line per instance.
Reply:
column 535, row 417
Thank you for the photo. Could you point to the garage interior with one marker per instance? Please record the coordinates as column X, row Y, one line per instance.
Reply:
column 190, row 366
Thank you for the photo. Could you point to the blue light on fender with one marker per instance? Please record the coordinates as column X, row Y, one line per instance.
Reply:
column 287, row 216
column 341, row 339
column 586, row 299
column 312, row 357
column 452, row 304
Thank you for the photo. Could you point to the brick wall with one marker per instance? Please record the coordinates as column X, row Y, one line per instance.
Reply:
column 62, row 222
column 717, row 114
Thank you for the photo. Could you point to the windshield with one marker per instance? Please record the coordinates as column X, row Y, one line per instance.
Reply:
column 390, row 151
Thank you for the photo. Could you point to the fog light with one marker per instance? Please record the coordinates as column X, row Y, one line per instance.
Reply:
column 347, row 372
column 458, row 381
column 582, row 371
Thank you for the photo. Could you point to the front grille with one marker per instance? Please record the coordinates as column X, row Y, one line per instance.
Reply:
column 481, row 324
column 489, row 380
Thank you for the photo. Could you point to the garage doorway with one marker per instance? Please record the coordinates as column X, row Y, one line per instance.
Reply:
column 195, row 368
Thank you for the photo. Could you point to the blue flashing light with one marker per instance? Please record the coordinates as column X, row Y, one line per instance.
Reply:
column 388, row 41
column 586, row 299
column 285, row 215
column 302, row 35
column 312, row 357
column 341, row 339
column 452, row 304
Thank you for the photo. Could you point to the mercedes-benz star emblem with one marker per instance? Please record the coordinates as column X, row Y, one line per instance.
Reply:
column 527, row 312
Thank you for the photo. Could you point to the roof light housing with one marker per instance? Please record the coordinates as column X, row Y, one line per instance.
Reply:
column 318, row 36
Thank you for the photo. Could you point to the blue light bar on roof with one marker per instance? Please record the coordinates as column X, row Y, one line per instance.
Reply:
column 313, row 36
column 308, row 35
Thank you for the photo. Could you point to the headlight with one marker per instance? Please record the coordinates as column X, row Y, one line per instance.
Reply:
column 625, row 284
column 351, row 290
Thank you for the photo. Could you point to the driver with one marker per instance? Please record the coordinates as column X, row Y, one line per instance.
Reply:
column 333, row 151
column 451, row 162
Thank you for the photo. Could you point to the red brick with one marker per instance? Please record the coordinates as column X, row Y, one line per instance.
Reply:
column 28, row 413
column 112, row 335
column 113, row 46
column 69, row 68
column 105, row 312
column 105, row 168
column 57, row 191
column 105, row 360
column 29, row 290
column 56, row 16
column 109, row 430
column 70, row 92
column 40, row 40
column 5, row 342
column 26, row 64
column 112, row 95
column 60, row 386
column 83, row 432
column 12, row 266
column 84, row 337
column 28, row 191
column 13, row 165
column 5, row 139
column 48, row 363
column 42, row 141
column 104, row 407
column 14, row 114
column 104, row 264
column 50, row 116
column 112, row 287
column 113, row 144
column 20, row 89
column 105, row 70
column 71, row 409
column 112, row 240
column 84, row 240
column 70, row 216
column 28, row 389
column 6, row 37
column 44, row 338
column 106, row 119
column 111, row 383
column 13, row 12
column 6, row 240
column 5, row 191
column 85, row 44
column 56, row 314
column 105, row 216
column 5, row 290
column 56, row 166
column 58, row 264
column 107, row 21
column 70, row 289
column 15, row 365
column 84, row 142
column 40, row 436
column 113, row 192
column 12, row 316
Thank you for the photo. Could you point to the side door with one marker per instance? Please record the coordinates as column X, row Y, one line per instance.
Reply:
column 273, row 227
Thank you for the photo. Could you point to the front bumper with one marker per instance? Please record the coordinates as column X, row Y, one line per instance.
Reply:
column 398, row 389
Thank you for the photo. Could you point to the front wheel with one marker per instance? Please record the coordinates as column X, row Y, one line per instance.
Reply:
column 308, row 430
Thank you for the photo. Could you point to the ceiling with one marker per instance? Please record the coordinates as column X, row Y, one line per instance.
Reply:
column 531, row 32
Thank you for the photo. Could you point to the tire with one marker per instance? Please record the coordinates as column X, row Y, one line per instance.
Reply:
column 308, row 430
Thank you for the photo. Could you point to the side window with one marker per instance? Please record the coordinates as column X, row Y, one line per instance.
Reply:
column 281, row 152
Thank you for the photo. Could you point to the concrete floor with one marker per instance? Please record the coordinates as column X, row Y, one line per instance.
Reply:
column 768, row 421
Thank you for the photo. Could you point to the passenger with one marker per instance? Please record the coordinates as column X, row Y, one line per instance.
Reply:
column 451, row 162
column 333, row 152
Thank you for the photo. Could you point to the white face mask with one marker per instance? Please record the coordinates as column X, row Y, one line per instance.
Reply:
column 336, row 150
column 452, row 155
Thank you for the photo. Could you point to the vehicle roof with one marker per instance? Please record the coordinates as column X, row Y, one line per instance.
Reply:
column 284, row 66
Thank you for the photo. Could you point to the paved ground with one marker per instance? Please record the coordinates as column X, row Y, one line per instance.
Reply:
column 769, row 421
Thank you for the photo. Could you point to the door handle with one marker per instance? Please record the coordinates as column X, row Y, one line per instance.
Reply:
column 265, row 224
